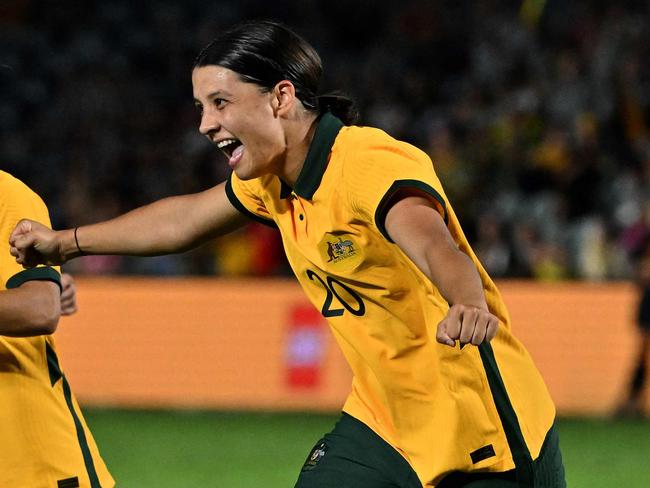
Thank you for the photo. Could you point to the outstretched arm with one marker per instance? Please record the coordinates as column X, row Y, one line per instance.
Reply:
column 167, row 226
column 419, row 230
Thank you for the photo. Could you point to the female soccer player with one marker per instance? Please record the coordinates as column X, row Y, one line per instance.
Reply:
column 44, row 438
column 443, row 393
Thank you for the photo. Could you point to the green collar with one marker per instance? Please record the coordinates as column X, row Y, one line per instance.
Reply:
column 316, row 161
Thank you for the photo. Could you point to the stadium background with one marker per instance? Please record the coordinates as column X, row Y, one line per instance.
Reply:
column 535, row 113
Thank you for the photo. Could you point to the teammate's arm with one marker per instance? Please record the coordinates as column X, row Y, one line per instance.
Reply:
column 167, row 226
column 31, row 309
column 419, row 230
column 68, row 295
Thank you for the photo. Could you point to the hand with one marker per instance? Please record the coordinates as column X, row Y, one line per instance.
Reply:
column 467, row 324
column 68, row 295
column 32, row 243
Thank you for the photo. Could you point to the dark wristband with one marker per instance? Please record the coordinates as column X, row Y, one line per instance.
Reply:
column 76, row 241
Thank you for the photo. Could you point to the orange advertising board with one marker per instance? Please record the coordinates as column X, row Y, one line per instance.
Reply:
column 258, row 344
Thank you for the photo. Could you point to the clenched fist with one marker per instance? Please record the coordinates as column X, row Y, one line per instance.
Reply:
column 468, row 324
column 32, row 243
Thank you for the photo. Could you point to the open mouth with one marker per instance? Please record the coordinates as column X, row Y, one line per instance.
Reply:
column 228, row 146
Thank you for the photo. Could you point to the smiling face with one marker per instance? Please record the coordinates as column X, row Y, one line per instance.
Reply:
column 242, row 119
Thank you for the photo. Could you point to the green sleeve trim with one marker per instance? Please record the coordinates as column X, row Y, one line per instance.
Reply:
column 383, row 207
column 34, row 274
column 230, row 193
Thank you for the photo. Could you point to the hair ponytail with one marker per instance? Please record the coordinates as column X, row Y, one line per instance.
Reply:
column 339, row 105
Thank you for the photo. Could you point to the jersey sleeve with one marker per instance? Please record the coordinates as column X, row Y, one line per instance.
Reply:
column 245, row 196
column 19, row 202
column 380, row 169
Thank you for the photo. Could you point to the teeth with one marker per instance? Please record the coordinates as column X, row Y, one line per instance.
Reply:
column 225, row 143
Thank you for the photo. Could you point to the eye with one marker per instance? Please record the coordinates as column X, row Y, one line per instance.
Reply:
column 219, row 102
column 199, row 107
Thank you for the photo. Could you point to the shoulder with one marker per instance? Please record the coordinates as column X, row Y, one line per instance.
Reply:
column 11, row 184
column 19, row 199
column 360, row 137
column 367, row 151
column 12, row 189
column 370, row 143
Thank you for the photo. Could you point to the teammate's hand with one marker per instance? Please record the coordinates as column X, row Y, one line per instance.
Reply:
column 467, row 324
column 68, row 295
column 32, row 243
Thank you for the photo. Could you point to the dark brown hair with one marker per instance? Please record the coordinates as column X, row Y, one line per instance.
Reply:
column 265, row 53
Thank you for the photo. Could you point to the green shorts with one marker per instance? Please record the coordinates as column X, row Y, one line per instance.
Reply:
column 353, row 456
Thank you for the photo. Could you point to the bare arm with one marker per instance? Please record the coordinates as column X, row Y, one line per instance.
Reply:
column 167, row 226
column 29, row 310
column 419, row 230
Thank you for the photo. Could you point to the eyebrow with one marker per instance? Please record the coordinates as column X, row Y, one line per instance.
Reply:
column 215, row 94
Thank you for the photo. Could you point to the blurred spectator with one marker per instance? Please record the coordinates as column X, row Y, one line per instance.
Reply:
column 536, row 116
column 491, row 248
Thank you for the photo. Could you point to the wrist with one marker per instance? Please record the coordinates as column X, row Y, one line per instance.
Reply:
column 475, row 306
column 68, row 246
column 478, row 304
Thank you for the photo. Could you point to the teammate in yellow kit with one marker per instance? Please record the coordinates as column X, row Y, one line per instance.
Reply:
column 443, row 393
column 45, row 441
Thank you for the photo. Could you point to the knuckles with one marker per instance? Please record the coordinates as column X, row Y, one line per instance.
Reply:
column 469, row 324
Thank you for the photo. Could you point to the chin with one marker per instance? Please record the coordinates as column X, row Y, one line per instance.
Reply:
column 248, row 171
column 244, row 174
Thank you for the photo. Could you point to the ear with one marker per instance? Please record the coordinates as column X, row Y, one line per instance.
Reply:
column 284, row 97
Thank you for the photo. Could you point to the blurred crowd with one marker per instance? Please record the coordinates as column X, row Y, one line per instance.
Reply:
column 535, row 113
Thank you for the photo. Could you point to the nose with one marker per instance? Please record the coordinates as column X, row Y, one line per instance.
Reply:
column 209, row 123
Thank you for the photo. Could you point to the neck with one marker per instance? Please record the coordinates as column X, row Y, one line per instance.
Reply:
column 298, row 139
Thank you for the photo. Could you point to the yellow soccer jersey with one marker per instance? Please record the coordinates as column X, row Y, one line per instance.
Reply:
column 45, row 441
column 444, row 409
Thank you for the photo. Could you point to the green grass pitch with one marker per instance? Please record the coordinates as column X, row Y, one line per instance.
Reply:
column 172, row 449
